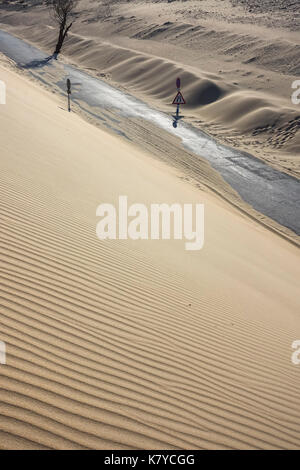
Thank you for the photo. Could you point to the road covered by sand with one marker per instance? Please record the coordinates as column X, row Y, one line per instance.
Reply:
column 133, row 344
column 237, row 60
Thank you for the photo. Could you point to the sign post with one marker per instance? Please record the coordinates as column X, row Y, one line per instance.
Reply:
column 178, row 100
column 69, row 93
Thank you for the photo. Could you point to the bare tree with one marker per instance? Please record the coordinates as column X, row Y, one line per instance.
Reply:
column 62, row 12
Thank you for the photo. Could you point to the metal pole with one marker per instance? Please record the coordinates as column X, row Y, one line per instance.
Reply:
column 69, row 93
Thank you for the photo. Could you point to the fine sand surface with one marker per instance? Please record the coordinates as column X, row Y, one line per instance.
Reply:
column 123, row 344
column 237, row 60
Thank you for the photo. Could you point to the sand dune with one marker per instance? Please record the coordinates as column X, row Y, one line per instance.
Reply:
column 237, row 61
column 122, row 344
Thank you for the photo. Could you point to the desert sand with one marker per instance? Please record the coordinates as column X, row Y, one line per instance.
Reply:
column 237, row 60
column 133, row 344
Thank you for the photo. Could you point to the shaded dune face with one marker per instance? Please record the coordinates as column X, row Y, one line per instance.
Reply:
column 205, row 93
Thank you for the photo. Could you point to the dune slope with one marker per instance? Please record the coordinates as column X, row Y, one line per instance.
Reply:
column 123, row 344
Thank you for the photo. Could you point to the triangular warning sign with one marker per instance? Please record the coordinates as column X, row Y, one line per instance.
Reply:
column 178, row 99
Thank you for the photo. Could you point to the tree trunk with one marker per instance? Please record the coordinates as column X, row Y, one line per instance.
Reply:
column 60, row 40
column 63, row 31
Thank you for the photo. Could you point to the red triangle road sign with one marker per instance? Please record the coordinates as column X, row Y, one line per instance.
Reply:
column 179, row 99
